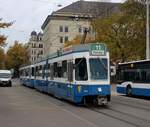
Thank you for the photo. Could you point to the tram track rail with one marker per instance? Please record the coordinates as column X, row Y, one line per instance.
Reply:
column 114, row 117
column 121, row 116
column 138, row 106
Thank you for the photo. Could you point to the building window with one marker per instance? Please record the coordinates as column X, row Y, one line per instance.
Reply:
column 61, row 29
column 66, row 29
column 34, row 45
column 40, row 38
column 66, row 38
column 61, row 39
column 40, row 45
column 41, row 52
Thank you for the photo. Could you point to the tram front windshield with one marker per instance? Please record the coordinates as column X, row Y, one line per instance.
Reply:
column 98, row 68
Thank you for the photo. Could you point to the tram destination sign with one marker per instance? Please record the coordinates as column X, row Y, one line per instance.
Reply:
column 98, row 49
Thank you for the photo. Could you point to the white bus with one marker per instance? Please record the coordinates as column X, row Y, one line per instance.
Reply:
column 134, row 78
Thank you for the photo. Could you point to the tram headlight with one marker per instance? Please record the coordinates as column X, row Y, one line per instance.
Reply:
column 99, row 89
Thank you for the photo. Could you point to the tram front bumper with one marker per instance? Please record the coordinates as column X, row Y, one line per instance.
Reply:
column 101, row 93
column 83, row 90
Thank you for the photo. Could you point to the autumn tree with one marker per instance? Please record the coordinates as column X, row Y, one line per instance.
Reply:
column 124, row 33
column 2, row 59
column 77, row 40
column 17, row 55
column 2, row 26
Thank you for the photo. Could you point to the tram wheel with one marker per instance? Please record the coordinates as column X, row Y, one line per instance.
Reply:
column 129, row 91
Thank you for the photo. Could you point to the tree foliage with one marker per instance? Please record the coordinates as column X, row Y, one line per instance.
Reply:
column 17, row 55
column 2, row 58
column 3, row 37
column 78, row 39
column 124, row 33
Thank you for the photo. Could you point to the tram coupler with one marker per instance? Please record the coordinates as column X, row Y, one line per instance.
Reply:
column 101, row 100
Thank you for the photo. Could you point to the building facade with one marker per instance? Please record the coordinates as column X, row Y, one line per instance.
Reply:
column 35, row 46
column 69, row 22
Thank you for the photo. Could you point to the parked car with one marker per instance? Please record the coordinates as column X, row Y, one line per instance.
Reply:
column 5, row 78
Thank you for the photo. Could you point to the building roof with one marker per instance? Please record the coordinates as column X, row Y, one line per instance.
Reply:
column 89, row 7
column 84, row 9
column 33, row 33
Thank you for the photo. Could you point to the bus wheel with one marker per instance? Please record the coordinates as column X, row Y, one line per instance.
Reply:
column 129, row 91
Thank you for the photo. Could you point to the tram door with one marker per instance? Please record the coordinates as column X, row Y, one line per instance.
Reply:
column 70, row 79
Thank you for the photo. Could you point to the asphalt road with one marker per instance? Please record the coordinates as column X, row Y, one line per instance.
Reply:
column 24, row 107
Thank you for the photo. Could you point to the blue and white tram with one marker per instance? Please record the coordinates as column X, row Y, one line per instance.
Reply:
column 79, row 74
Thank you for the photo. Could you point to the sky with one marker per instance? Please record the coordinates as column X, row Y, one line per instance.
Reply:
column 28, row 15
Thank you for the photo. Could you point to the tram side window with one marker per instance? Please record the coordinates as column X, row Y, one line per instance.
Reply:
column 70, row 71
column 27, row 72
column 40, row 71
column 21, row 72
column 51, row 71
column 32, row 71
column 48, row 70
column 43, row 71
column 81, row 69
column 55, row 70
column 36, row 71
column 59, row 69
column 64, row 69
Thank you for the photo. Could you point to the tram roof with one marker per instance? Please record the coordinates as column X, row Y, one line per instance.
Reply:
column 67, row 50
column 73, row 49
column 139, row 61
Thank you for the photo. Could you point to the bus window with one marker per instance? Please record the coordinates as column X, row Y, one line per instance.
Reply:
column 81, row 69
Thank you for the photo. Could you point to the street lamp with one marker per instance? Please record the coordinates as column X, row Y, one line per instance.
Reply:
column 147, row 30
